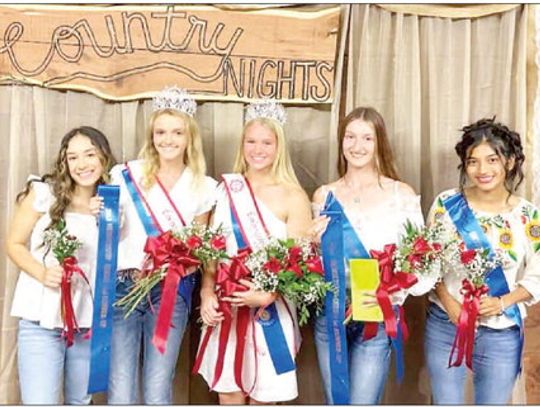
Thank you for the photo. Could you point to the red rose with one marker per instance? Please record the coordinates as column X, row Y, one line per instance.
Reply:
column 414, row 260
column 273, row 265
column 437, row 247
column 194, row 242
column 421, row 246
column 467, row 256
column 218, row 242
column 314, row 265
column 295, row 252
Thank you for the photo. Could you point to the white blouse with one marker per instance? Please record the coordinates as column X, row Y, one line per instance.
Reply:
column 515, row 235
column 189, row 201
column 384, row 224
column 35, row 302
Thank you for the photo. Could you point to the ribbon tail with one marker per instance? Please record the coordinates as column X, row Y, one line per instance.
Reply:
column 390, row 322
column 242, row 322
column 70, row 324
column 460, row 339
column 166, row 308
column 202, row 350
column 222, row 348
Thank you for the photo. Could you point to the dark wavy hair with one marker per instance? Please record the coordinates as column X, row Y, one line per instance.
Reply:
column 505, row 142
column 384, row 156
column 60, row 179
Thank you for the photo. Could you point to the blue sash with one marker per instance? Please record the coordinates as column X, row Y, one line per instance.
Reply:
column 474, row 237
column 187, row 284
column 339, row 244
column 104, row 289
column 271, row 325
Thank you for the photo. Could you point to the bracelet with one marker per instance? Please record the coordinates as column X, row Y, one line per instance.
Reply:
column 501, row 302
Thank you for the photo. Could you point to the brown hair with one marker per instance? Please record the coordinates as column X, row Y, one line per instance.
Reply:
column 60, row 178
column 383, row 152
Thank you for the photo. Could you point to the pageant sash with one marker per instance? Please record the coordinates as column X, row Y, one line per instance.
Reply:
column 246, row 211
column 105, row 287
column 154, row 229
column 339, row 244
column 474, row 237
column 249, row 228
column 332, row 242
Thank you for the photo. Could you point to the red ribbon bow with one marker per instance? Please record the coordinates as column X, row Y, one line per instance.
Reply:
column 166, row 250
column 391, row 282
column 227, row 281
column 70, row 267
column 464, row 339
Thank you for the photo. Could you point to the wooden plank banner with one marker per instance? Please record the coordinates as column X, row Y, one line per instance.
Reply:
column 130, row 52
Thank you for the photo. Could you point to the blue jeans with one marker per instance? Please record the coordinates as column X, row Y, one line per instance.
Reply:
column 495, row 361
column 47, row 366
column 369, row 362
column 127, row 337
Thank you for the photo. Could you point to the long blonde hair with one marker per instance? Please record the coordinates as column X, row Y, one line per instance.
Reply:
column 193, row 156
column 282, row 169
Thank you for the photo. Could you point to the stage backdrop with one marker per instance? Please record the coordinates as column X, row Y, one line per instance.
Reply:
column 128, row 52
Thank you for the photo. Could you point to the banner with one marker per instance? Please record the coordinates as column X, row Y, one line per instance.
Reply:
column 130, row 52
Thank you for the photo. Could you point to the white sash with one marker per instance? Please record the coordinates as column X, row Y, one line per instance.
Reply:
column 244, row 207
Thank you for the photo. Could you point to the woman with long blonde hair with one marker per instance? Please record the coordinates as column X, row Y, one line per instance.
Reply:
column 166, row 189
column 49, row 365
column 262, row 199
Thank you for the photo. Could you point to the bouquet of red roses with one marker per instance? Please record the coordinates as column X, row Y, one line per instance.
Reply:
column 64, row 246
column 176, row 252
column 419, row 250
column 293, row 269
column 476, row 263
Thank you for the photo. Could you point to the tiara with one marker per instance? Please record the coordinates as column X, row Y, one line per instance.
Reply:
column 268, row 109
column 175, row 98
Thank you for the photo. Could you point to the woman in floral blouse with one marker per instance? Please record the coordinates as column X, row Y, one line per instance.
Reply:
column 493, row 270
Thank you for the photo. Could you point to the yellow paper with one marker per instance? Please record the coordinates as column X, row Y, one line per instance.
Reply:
column 364, row 277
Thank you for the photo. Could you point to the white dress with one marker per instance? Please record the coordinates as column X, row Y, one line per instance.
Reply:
column 190, row 202
column 383, row 225
column 269, row 386
column 516, row 235
column 35, row 302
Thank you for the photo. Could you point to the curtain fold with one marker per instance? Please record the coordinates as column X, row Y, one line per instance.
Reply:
column 429, row 77
column 449, row 10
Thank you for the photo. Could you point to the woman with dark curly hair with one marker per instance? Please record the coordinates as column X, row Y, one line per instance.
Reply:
column 476, row 312
column 48, row 366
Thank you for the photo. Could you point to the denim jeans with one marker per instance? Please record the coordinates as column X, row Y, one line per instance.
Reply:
column 47, row 366
column 369, row 362
column 136, row 331
column 495, row 362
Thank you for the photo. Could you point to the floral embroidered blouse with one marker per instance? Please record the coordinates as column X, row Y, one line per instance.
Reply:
column 515, row 235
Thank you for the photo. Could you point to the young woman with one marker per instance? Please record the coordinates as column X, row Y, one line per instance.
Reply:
column 485, row 213
column 364, row 210
column 165, row 189
column 237, row 356
column 48, row 367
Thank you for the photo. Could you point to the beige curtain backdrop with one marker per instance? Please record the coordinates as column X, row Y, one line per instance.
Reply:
column 428, row 77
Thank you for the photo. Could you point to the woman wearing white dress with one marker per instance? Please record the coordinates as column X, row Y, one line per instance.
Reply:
column 262, row 199
column 373, row 206
column 166, row 189
column 48, row 366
